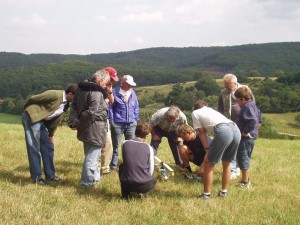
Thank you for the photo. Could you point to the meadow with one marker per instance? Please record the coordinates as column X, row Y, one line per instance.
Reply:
column 284, row 123
column 272, row 199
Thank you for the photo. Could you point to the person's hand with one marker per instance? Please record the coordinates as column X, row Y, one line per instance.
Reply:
column 155, row 137
column 205, row 158
column 178, row 139
column 51, row 140
column 109, row 87
column 245, row 135
column 73, row 127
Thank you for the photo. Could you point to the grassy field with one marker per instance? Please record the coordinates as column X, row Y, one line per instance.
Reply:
column 10, row 119
column 284, row 123
column 273, row 199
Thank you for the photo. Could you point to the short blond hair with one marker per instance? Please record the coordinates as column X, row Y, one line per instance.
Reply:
column 184, row 129
column 230, row 78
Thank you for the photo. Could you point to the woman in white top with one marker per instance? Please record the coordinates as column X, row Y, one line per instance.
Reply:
column 223, row 146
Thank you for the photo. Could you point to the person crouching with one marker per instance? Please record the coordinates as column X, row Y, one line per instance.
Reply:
column 135, row 173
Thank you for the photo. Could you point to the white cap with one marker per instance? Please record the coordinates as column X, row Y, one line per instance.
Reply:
column 129, row 80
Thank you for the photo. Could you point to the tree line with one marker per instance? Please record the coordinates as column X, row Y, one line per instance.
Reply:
column 272, row 95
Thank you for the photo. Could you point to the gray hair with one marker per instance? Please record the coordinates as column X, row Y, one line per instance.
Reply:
column 230, row 78
column 102, row 75
column 173, row 111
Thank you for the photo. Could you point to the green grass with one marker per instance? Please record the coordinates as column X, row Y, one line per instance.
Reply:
column 273, row 198
column 284, row 123
column 10, row 119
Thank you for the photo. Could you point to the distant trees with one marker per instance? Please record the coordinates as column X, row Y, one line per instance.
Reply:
column 184, row 98
column 297, row 118
column 279, row 96
column 208, row 85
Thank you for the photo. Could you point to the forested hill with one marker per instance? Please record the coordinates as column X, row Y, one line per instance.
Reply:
column 263, row 58
column 22, row 75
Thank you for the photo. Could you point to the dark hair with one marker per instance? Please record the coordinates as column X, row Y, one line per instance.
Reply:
column 243, row 92
column 142, row 130
column 199, row 104
column 72, row 88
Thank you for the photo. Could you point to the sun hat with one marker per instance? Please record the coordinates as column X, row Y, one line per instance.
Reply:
column 112, row 73
column 129, row 80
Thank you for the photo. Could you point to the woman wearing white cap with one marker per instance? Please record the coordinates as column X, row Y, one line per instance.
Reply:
column 123, row 115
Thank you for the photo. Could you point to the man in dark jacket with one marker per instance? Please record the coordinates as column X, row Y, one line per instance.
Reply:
column 41, row 115
column 136, row 171
column 89, row 116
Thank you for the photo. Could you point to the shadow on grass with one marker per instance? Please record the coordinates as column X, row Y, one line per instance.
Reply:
column 294, row 125
column 20, row 176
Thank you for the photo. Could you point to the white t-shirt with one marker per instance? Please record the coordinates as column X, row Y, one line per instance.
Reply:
column 208, row 118
column 60, row 109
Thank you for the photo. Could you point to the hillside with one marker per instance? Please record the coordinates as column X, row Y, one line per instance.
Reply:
column 265, row 58
column 22, row 75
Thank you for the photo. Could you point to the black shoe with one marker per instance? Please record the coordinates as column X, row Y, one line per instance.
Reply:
column 205, row 196
column 222, row 194
column 40, row 182
column 125, row 197
column 55, row 179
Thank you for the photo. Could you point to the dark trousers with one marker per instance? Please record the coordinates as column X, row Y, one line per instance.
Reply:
column 127, row 188
column 172, row 137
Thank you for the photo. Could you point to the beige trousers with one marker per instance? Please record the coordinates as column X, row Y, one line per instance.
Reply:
column 106, row 153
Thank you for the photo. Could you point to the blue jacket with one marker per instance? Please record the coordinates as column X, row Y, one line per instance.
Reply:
column 124, row 112
column 249, row 119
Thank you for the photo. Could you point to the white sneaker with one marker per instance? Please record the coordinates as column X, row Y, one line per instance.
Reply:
column 238, row 172
column 244, row 184
column 233, row 176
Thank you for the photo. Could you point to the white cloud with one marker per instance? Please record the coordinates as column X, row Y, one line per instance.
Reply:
column 102, row 18
column 122, row 25
column 147, row 17
column 138, row 40
column 28, row 3
column 32, row 21
column 198, row 12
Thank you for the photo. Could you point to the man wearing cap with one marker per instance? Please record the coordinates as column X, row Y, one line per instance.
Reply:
column 123, row 115
column 106, row 153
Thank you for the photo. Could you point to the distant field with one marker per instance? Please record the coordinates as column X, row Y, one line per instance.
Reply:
column 284, row 123
column 146, row 91
column 10, row 119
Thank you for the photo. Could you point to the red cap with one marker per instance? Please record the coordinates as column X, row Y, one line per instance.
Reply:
column 112, row 73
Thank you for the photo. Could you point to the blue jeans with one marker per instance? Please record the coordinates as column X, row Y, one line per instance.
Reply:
column 234, row 166
column 90, row 170
column 117, row 131
column 38, row 145
column 225, row 143
column 244, row 152
column 174, row 145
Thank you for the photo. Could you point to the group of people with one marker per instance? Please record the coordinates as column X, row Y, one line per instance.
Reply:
column 102, row 115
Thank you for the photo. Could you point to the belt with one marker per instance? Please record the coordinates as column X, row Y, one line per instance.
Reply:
column 230, row 123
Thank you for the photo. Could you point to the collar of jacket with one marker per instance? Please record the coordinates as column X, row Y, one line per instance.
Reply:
column 89, row 86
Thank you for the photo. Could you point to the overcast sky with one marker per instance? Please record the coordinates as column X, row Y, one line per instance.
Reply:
column 105, row 26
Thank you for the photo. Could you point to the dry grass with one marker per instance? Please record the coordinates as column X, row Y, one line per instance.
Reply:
column 273, row 198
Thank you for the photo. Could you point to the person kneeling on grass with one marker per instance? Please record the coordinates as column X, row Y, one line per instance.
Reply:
column 191, row 150
column 135, row 173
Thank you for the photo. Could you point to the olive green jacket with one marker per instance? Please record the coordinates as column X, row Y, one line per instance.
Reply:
column 43, row 105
